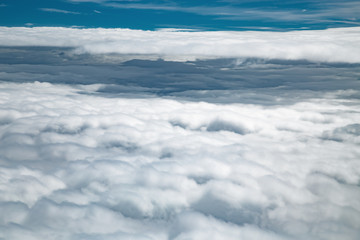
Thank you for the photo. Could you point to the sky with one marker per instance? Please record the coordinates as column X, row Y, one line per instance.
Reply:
column 204, row 15
column 175, row 120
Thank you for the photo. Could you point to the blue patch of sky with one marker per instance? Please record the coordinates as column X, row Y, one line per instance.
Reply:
column 201, row 14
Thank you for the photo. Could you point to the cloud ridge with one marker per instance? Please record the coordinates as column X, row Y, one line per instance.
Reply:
column 331, row 45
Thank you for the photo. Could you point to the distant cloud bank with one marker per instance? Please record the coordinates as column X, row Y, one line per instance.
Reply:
column 331, row 45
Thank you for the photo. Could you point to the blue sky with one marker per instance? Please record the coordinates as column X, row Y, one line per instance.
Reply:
column 202, row 15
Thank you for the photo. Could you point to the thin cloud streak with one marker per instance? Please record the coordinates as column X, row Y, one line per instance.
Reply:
column 57, row 11
column 231, row 11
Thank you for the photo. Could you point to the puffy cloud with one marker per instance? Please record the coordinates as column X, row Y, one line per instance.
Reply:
column 23, row 185
column 132, row 147
column 331, row 45
column 77, row 163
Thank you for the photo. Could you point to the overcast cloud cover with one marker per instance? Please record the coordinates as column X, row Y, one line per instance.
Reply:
column 131, row 134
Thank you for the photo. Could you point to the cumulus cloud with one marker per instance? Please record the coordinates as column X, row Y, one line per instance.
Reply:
column 331, row 45
column 80, row 163
column 114, row 146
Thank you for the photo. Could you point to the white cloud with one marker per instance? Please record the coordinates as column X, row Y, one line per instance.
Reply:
column 155, row 168
column 332, row 45
column 23, row 185
column 112, row 147
column 55, row 10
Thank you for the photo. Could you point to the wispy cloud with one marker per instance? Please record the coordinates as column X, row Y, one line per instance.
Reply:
column 55, row 10
column 231, row 10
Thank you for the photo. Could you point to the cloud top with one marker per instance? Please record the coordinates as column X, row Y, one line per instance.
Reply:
column 84, row 166
column 331, row 45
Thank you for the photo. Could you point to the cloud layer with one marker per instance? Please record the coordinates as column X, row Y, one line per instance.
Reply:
column 77, row 162
column 113, row 146
column 331, row 45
